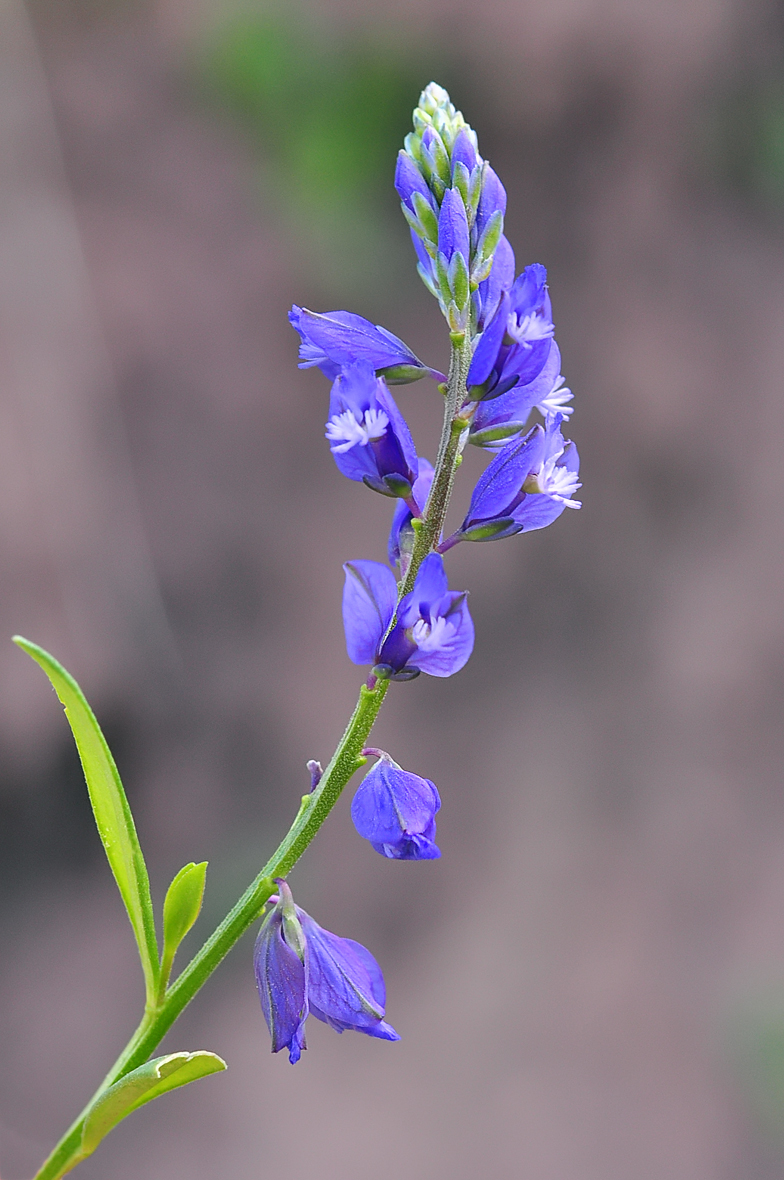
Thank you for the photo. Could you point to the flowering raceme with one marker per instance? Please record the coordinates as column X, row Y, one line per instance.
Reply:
column 504, row 366
column 301, row 968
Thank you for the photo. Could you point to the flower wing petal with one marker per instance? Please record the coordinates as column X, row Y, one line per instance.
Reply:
column 369, row 599
column 345, row 986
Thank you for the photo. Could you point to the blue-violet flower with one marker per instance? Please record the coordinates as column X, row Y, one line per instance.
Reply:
column 527, row 486
column 301, row 968
column 536, row 383
column 433, row 631
column 368, row 436
column 395, row 810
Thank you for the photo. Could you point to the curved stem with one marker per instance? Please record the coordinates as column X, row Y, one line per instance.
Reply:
column 313, row 810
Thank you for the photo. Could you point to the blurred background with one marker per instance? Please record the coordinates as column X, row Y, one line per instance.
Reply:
column 590, row 983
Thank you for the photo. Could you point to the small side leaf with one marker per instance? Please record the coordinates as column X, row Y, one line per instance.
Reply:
column 142, row 1085
column 180, row 910
column 110, row 808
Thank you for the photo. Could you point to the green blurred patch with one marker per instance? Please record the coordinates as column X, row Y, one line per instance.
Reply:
column 326, row 112
column 749, row 140
column 756, row 1045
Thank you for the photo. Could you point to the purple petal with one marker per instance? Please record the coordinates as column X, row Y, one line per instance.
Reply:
column 491, row 199
column 488, row 345
column 409, row 848
column 409, row 180
column 400, row 429
column 280, row 978
column 403, row 515
column 499, row 280
column 529, row 292
column 431, row 580
column 453, row 226
column 463, row 151
column 450, row 642
column 536, row 512
column 341, row 337
column 369, row 599
column 500, row 483
column 342, row 985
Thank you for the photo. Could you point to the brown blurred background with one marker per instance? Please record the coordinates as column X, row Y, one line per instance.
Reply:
column 590, row 983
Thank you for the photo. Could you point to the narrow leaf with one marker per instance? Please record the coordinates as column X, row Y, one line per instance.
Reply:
column 142, row 1085
column 110, row 808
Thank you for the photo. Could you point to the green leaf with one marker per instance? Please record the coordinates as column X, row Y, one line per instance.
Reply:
column 180, row 910
column 110, row 808
column 142, row 1085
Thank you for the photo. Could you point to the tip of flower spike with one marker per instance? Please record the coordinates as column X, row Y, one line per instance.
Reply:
column 432, row 97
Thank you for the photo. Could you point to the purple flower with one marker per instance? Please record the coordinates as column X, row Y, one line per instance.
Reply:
column 401, row 534
column 338, row 338
column 531, row 317
column 532, row 380
column 301, row 968
column 433, row 631
column 527, row 486
column 395, row 810
column 368, row 435
column 521, row 325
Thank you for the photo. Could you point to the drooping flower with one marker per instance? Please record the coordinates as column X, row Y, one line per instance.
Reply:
column 302, row 968
column 368, row 436
column 337, row 338
column 527, row 486
column 433, row 631
column 395, row 810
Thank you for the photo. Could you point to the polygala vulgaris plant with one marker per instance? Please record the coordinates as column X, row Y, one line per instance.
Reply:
column 399, row 619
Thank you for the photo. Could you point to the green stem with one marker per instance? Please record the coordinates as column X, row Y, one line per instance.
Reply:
column 156, row 1022
column 428, row 531
column 314, row 808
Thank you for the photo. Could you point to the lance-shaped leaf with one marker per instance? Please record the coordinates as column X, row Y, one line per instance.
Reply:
column 180, row 910
column 110, row 808
column 142, row 1085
